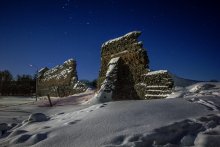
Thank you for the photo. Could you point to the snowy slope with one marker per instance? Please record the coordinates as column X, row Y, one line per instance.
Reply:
column 122, row 123
column 190, row 118
column 181, row 82
column 197, row 90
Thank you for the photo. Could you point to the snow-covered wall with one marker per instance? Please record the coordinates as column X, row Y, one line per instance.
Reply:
column 134, row 61
column 155, row 84
column 61, row 80
column 133, row 69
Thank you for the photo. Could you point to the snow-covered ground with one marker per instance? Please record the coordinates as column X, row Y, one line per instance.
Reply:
column 189, row 117
column 12, row 100
column 205, row 93
column 10, row 108
column 197, row 90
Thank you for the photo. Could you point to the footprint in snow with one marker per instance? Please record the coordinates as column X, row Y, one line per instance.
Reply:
column 28, row 139
column 102, row 106
column 183, row 133
column 46, row 127
column 60, row 113
column 73, row 122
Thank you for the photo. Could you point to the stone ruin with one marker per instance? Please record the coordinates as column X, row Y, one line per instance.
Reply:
column 59, row 81
column 125, row 72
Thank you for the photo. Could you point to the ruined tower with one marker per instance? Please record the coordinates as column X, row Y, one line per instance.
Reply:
column 125, row 72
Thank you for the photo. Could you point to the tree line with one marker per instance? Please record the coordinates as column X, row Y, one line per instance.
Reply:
column 21, row 85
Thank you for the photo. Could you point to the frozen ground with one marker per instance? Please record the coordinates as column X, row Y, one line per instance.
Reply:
column 189, row 118
column 6, row 101
column 16, row 109
column 205, row 93
column 10, row 108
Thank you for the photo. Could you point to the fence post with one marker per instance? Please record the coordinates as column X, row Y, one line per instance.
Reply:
column 48, row 96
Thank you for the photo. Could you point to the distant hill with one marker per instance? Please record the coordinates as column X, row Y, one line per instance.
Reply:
column 181, row 82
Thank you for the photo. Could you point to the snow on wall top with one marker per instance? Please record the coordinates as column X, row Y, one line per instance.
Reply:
column 59, row 72
column 52, row 75
column 156, row 72
column 42, row 69
column 61, row 80
column 70, row 61
column 134, row 33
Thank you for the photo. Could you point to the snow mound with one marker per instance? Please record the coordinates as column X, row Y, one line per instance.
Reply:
column 37, row 117
column 201, row 87
column 204, row 93
column 197, row 90
column 209, row 138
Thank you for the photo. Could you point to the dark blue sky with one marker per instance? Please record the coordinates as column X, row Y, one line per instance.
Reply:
column 182, row 36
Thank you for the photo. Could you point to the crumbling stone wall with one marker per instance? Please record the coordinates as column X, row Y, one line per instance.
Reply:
column 110, row 85
column 62, row 80
column 131, row 52
column 132, row 70
column 155, row 84
column 134, row 61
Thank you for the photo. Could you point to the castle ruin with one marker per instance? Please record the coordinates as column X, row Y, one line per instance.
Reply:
column 125, row 72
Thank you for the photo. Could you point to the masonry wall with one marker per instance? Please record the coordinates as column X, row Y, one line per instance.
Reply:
column 134, row 61
column 62, row 80
column 132, row 70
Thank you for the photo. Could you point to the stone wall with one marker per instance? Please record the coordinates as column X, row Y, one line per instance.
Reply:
column 132, row 71
column 155, row 84
column 132, row 54
column 62, row 80
column 133, row 62
column 109, row 87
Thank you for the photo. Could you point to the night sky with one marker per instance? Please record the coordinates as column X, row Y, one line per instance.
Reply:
column 182, row 36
